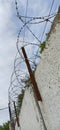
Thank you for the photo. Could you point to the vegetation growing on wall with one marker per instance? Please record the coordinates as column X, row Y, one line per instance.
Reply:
column 19, row 102
column 42, row 46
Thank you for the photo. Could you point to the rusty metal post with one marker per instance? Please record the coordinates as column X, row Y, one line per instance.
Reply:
column 35, row 87
column 12, row 125
column 9, row 111
column 17, row 119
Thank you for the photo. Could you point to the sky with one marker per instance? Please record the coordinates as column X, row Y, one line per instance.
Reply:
column 9, row 28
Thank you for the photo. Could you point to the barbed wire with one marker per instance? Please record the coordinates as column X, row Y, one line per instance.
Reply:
column 25, row 24
column 16, row 71
column 20, row 73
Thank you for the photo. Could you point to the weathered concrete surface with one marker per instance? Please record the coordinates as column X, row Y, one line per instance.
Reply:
column 48, row 77
column 29, row 117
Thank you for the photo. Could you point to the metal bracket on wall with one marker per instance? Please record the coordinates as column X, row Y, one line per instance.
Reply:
column 9, row 110
column 12, row 124
column 17, row 119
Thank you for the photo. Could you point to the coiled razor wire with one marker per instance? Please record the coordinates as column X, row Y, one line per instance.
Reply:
column 20, row 73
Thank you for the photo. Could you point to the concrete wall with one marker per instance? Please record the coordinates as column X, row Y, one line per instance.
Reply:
column 48, row 79
column 29, row 117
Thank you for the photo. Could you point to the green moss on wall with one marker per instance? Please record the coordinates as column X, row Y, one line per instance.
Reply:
column 42, row 46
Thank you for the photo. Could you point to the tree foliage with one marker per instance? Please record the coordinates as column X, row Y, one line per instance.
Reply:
column 19, row 102
column 5, row 126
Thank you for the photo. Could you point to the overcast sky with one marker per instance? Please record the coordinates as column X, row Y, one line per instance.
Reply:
column 9, row 27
